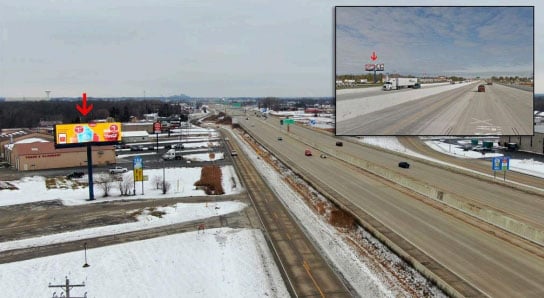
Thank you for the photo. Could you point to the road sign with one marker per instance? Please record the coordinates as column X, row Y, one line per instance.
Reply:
column 312, row 122
column 288, row 121
column 380, row 67
column 139, row 174
column 157, row 127
column 138, row 162
column 500, row 163
column 370, row 67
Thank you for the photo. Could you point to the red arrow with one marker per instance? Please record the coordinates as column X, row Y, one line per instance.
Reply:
column 84, row 110
column 373, row 57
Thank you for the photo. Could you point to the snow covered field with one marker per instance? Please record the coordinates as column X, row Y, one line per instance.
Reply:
column 33, row 189
column 215, row 263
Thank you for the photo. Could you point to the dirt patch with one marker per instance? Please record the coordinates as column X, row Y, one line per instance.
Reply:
column 210, row 180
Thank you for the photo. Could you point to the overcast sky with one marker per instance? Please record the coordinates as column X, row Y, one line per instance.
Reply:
column 210, row 48
column 467, row 41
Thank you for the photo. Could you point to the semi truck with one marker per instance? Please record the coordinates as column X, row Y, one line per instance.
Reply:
column 397, row 83
column 172, row 154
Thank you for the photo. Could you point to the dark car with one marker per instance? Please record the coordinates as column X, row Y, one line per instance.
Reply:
column 75, row 175
column 339, row 144
column 404, row 165
column 137, row 148
column 280, row 139
column 481, row 88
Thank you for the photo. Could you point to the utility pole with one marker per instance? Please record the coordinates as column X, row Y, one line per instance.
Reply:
column 67, row 287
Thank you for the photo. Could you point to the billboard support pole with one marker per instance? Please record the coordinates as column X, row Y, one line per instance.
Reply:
column 90, row 171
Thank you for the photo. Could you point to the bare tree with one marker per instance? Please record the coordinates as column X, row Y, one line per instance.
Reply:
column 126, row 184
column 104, row 182
column 157, row 180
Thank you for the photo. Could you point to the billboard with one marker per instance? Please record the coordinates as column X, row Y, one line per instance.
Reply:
column 80, row 134
column 369, row 67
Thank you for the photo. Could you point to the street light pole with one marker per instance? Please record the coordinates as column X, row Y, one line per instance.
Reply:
column 86, row 264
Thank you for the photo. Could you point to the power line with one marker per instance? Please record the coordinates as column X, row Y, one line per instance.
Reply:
column 67, row 287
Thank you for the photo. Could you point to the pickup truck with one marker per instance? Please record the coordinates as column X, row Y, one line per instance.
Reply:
column 117, row 170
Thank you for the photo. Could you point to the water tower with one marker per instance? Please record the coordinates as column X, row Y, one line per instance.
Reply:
column 47, row 92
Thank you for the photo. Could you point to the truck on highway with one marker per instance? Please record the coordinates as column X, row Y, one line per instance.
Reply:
column 397, row 83
column 172, row 154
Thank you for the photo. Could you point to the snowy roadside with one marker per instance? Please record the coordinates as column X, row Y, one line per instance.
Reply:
column 353, row 267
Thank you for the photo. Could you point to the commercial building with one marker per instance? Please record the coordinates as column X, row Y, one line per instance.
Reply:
column 44, row 155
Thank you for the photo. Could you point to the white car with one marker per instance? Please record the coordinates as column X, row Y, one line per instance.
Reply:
column 117, row 170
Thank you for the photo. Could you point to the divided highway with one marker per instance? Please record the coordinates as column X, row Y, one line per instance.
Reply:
column 494, row 266
column 460, row 111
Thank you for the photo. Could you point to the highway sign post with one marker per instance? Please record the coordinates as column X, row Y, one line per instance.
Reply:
column 501, row 163
column 138, row 172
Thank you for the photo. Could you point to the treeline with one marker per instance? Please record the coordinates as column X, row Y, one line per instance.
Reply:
column 25, row 114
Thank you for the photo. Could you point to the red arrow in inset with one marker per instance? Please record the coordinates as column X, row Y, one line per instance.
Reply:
column 84, row 110
column 373, row 57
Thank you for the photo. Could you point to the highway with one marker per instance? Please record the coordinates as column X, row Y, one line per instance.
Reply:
column 493, row 265
column 500, row 110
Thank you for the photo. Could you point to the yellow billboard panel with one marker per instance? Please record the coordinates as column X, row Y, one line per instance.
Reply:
column 81, row 133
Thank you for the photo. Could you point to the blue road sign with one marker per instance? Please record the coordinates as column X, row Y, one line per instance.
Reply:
column 138, row 162
column 500, row 163
column 312, row 122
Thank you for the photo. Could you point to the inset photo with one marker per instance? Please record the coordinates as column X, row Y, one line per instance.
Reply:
column 434, row 71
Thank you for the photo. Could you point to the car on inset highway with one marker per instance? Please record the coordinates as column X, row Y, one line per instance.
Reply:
column 234, row 153
column 280, row 139
column 308, row 152
column 339, row 144
column 481, row 88
column 117, row 170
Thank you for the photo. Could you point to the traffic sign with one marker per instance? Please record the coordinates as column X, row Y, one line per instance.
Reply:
column 138, row 162
column 157, row 127
column 288, row 121
column 500, row 163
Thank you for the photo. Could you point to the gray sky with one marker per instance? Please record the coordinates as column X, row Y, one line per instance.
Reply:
column 199, row 48
column 467, row 41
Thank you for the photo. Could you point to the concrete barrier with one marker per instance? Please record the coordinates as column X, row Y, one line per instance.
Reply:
column 527, row 230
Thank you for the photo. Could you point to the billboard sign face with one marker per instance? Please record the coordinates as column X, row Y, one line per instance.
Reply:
column 81, row 134
column 370, row 67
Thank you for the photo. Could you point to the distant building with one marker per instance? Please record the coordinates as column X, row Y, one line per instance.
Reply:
column 135, row 136
column 44, row 155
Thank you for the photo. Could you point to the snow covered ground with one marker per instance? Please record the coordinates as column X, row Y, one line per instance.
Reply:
column 215, row 263
column 33, row 189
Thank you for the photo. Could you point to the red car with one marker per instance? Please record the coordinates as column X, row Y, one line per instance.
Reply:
column 481, row 88
column 308, row 152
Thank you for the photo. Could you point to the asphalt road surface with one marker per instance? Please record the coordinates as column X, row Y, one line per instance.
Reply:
column 500, row 110
column 493, row 265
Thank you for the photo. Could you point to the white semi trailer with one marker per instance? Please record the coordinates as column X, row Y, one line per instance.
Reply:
column 397, row 83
